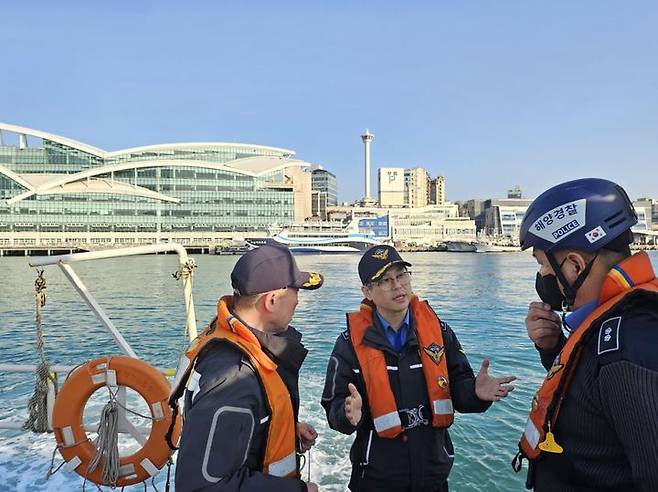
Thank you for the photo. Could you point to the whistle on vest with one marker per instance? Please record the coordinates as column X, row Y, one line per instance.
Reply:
column 549, row 445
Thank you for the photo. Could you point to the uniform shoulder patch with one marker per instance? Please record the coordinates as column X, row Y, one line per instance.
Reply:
column 346, row 334
column 609, row 335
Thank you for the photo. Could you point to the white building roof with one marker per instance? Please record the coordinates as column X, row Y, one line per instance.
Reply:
column 168, row 147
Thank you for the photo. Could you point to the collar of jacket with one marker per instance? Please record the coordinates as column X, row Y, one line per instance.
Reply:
column 632, row 271
column 283, row 348
column 375, row 336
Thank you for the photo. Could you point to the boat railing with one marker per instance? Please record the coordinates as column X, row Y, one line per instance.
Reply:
column 184, row 273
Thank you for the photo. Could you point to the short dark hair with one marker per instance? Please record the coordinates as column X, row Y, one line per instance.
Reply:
column 246, row 301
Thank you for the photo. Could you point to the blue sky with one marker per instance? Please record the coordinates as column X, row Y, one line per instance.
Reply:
column 488, row 94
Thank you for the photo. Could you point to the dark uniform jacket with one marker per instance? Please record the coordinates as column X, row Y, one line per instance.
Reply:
column 608, row 424
column 421, row 457
column 226, row 418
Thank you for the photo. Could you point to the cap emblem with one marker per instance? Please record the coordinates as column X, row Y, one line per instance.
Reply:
column 313, row 280
column 380, row 254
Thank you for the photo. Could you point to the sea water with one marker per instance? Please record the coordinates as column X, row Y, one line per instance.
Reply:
column 483, row 296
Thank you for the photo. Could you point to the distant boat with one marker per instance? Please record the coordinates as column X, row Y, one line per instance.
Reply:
column 232, row 250
column 319, row 238
column 461, row 246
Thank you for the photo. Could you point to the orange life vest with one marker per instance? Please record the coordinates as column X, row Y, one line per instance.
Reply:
column 280, row 455
column 634, row 273
column 372, row 363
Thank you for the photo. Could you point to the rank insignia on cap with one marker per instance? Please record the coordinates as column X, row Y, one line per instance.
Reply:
column 313, row 280
column 380, row 254
column 435, row 353
column 609, row 335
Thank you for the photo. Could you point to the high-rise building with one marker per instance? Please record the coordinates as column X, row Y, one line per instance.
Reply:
column 416, row 187
column 437, row 191
column 515, row 193
column 325, row 181
column 391, row 186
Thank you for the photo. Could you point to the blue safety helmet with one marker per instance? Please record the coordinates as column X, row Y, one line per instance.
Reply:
column 585, row 214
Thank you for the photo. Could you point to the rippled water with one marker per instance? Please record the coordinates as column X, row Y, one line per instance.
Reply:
column 482, row 296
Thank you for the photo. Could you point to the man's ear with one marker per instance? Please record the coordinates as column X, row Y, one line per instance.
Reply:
column 578, row 262
column 366, row 292
column 268, row 300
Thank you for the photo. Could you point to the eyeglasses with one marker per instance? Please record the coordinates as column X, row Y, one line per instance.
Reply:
column 387, row 283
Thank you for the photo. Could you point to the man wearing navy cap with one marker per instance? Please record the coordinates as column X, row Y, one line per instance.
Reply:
column 239, row 380
column 396, row 376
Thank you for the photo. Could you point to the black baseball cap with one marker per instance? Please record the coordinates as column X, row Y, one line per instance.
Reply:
column 376, row 261
column 270, row 268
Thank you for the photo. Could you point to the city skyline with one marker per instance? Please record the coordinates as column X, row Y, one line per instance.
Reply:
column 488, row 96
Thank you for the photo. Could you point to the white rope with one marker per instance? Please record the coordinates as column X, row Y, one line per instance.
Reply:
column 107, row 444
column 37, row 405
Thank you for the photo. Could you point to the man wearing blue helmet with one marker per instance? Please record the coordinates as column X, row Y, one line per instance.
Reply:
column 593, row 425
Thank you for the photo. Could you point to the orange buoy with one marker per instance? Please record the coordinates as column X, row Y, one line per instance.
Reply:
column 79, row 451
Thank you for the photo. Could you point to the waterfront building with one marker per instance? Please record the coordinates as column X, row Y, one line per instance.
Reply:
column 474, row 209
column 416, row 187
column 391, row 186
column 644, row 210
column 319, row 204
column 57, row 191
column 437, row 191
column 429, row 225
column 324, row 191
column 503, row 217
column 325, row 182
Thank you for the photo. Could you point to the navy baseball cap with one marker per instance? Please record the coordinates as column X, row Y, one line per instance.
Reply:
column 376, row 261
column 270, row 268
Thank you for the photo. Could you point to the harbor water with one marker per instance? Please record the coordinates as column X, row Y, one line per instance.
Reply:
column 483, row 297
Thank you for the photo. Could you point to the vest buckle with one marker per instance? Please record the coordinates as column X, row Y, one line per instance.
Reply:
column 413, row 417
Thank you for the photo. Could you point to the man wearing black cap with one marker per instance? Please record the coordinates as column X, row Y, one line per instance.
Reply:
column 240, row 384
column 396, row 376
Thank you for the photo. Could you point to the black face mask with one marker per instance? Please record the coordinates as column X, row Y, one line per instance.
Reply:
column 549, row 291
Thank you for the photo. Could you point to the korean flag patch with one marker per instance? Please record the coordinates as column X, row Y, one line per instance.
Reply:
column 595, row 234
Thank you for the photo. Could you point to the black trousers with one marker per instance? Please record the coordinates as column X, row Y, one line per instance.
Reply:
column 362, row 487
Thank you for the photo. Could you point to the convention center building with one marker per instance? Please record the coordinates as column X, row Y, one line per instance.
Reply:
column 57, row 191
